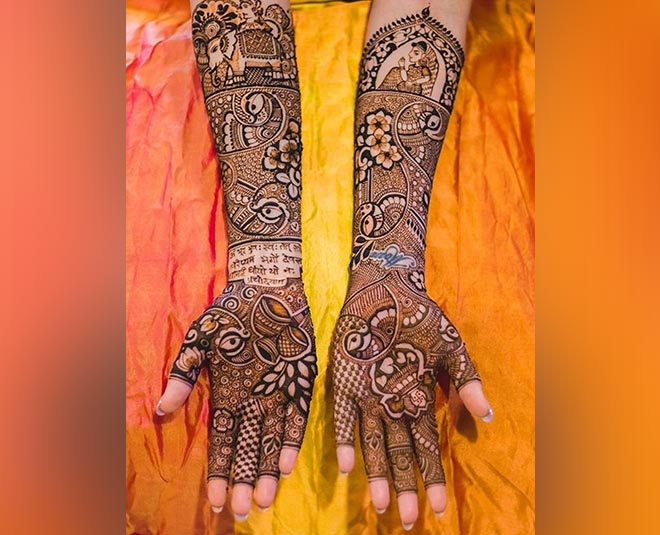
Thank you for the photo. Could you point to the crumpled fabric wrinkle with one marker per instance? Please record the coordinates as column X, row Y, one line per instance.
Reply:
column 480, row 269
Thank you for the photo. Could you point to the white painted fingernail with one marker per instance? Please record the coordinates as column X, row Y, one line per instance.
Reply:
column 439, row 514
column 240, row 518
column 408, row 527
column 159, row 411
column 216, row 509
column 380, row 511
column 489, row 417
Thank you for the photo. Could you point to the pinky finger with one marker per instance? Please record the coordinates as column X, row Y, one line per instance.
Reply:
column 288, row 459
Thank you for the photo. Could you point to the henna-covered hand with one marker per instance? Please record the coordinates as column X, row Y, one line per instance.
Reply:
column 256, row 338
column 258, row 344
column 390, row 343
column 391, row 338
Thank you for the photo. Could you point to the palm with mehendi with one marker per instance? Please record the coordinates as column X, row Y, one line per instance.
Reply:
column 391, row 339
column 256, row 338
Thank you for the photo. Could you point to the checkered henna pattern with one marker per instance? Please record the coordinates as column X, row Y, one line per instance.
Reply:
column 391, row 338
column 256, row 338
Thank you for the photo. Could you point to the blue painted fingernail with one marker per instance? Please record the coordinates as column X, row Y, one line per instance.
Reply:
column 240, row 518
column 489, row 417
column 159, row 411
column 408, row 527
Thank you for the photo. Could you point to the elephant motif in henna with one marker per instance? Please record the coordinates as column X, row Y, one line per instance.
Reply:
column 231, row 37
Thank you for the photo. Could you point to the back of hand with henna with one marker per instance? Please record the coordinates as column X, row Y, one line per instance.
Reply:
column 391, row 338
column 256, row 338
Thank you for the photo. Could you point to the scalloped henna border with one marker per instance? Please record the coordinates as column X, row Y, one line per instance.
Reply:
column 424, row 16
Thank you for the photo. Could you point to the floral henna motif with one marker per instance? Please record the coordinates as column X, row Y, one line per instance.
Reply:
column 256, row 339
column 246, row 59
column 392, row 339
column 258, row 345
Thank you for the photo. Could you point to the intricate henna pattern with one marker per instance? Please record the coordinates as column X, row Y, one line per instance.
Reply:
column 256, row 338
column 246, row 59
column 391, row 338
column 258, row 345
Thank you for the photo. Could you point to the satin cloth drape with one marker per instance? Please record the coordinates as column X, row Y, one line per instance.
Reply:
column 480, row 268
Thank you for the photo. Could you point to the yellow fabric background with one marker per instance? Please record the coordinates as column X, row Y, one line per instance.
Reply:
column 480, row 268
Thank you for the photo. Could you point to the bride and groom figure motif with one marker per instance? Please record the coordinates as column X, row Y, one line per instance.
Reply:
column 416, row 75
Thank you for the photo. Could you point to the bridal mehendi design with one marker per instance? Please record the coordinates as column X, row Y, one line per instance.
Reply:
column 256, row 338
column 258, row 345
column 246, row 59
column 391, row 338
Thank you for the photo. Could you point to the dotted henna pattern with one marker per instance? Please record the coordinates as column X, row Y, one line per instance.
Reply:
column 256, row 339
column 392, row 339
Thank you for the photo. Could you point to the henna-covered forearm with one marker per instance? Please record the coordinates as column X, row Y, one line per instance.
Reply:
column 257, row 337
column 391, row 338
column 408, row 80
column 245, row 54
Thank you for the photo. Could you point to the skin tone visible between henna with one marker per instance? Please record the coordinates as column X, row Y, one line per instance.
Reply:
column 391, row 339
column 256, row 339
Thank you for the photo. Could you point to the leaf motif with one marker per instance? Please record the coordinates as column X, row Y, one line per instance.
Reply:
column 259, row 388
column 269, row 377
column 304, row 382
column 292, row 389
column 302, row 404
column 304, row 370
column 367, row 250
column 281, row 381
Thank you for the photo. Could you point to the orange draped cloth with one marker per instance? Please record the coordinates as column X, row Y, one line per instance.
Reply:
column 480, row 268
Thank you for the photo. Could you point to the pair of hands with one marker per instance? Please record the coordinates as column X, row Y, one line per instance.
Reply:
column 390, row 342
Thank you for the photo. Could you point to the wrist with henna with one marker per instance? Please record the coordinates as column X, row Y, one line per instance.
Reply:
column 392, row 339
column 256, row 338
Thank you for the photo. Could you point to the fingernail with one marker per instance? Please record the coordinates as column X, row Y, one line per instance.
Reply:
column 489, row 417
column 408, row 527
column 263, row 509
column 343, row 474
column 380, row 511
column 240, row 518
column 216, row 509
column 439, row 514
column 159, row 411
column 284, row 476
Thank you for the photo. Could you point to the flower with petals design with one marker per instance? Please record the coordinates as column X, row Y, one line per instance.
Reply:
column 272, row 159
column 417, row 278
column 286, row 152
column 388, row 155
column 292, row 179
column 379, row 120
column 189, row 359
column 377, row 142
